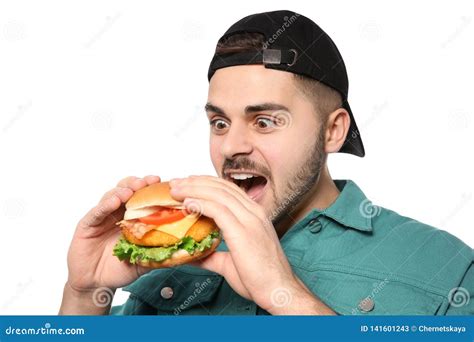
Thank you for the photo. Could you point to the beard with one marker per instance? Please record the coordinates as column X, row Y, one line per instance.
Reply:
column 303, row 180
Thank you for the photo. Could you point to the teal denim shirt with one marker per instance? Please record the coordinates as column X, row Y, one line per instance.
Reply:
column 356, row 257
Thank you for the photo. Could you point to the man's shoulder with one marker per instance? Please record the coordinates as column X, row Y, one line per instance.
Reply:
column 398, row 266
column 417, row 250
column 387, row 222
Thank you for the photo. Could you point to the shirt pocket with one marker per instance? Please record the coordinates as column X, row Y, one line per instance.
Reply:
column 357, row 294
column 179, row 291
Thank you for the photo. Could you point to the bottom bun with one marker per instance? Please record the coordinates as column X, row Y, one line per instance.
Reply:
column 180, row 257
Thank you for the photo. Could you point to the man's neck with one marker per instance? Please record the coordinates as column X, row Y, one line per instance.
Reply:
column 321, row 196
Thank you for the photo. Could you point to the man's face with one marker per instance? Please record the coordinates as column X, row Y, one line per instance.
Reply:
column 261, row 124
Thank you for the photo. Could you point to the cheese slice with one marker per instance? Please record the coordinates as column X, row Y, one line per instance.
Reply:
column 179, row 228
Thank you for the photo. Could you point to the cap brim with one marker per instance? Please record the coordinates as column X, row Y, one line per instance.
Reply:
column 353, row 143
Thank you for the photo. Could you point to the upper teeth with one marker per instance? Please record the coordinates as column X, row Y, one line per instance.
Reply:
column 241, row 176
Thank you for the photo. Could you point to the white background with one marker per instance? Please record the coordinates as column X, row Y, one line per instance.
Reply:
column 91, row 92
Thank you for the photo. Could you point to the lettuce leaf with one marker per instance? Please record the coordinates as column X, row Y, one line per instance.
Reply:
column 125, row 250
column 205, row 243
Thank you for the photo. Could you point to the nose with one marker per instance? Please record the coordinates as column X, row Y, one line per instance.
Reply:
column 237, row 141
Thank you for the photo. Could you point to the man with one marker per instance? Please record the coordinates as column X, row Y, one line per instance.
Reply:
column 296, row 241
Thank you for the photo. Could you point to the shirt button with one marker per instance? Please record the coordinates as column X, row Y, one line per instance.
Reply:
column 166, row 292
column 366, row 304
column 314, row 226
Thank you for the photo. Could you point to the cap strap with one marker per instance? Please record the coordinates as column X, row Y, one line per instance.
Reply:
column 265, row 56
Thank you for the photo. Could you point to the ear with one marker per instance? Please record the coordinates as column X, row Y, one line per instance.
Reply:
column 338, row 123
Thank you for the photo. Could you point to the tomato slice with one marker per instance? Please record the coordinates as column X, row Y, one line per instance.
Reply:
column 162, row 216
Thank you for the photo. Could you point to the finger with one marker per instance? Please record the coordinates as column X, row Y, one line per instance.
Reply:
column 228, row 183
column 106, row 207
column 214, row 262
column 133, row 183
column 225, row 219
column 142, row 270
column 220, row 182
column 150, row 179
column 214, row 194
column 125, row 181
column 123, row 194
column 116, row 191
column 229, row 187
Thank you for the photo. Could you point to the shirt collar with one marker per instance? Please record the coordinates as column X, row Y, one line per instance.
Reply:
column 351, row 208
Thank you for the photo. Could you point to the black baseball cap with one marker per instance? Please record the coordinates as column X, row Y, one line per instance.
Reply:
column 295, row 44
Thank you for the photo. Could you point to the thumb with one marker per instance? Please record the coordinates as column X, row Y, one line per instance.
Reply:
column 140, row 270
column 216, row 262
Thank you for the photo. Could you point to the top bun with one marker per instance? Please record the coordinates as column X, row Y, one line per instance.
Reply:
column 157, row 194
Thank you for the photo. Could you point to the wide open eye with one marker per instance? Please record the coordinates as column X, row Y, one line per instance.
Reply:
column 218, row 125
column 266, row 123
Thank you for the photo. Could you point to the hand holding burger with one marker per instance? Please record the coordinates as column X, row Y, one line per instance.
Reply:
column 92, row 268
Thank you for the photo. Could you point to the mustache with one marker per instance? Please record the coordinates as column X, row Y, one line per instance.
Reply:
column 247, row 164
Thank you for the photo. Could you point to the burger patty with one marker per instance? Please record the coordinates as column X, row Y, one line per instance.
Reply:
column 146, row 235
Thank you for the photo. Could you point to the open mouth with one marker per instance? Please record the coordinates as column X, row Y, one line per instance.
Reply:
column 252, row 183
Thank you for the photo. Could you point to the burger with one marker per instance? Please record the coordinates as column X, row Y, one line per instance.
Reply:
column 158, row 231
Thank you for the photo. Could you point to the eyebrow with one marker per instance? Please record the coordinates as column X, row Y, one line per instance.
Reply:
column 267, row 106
